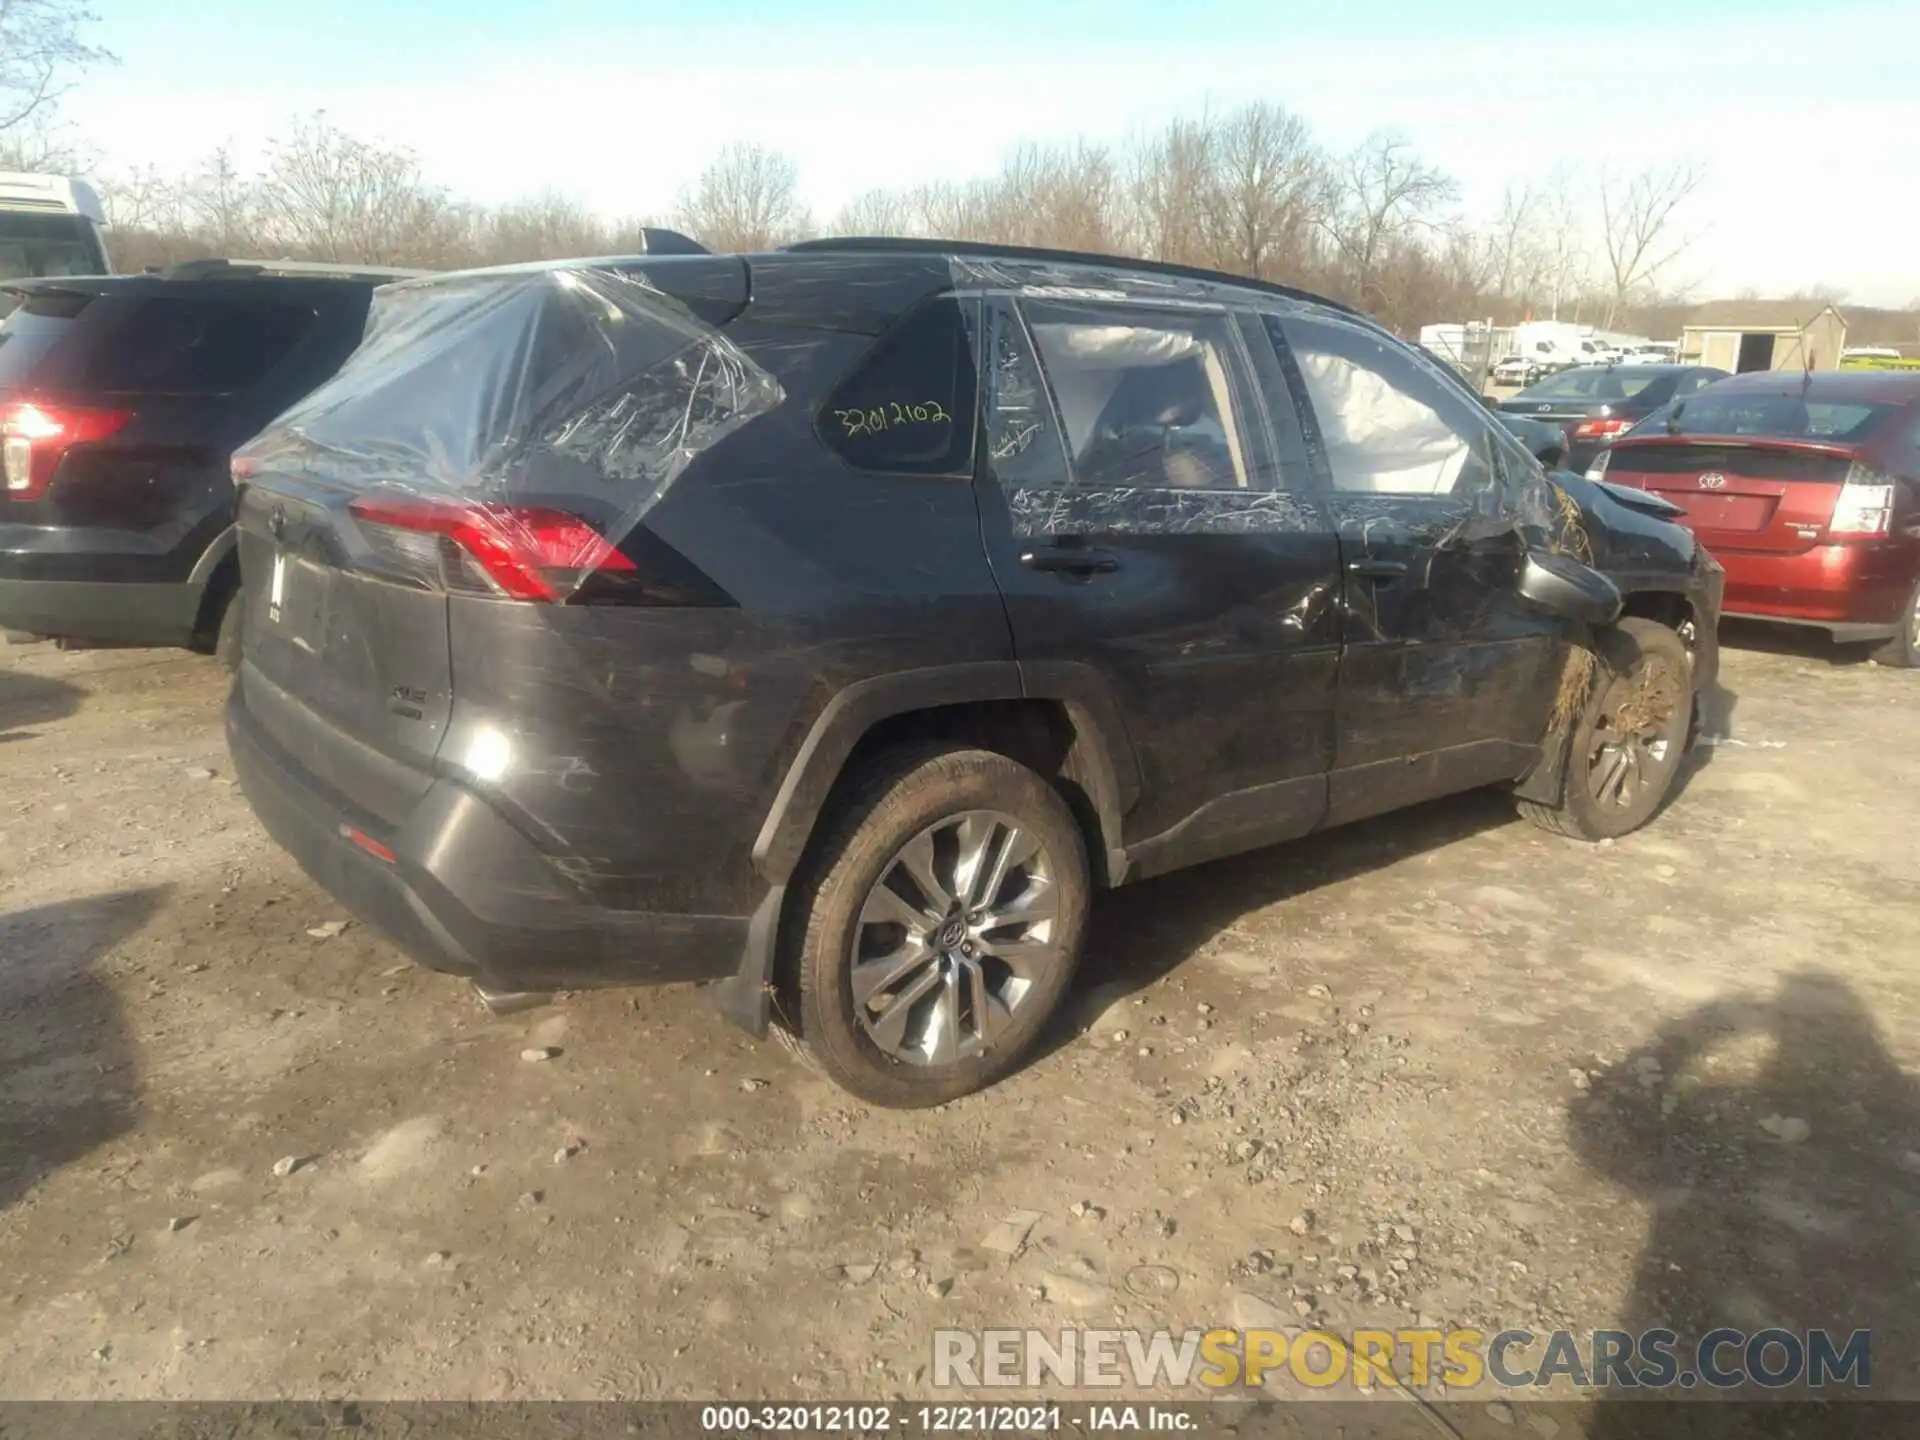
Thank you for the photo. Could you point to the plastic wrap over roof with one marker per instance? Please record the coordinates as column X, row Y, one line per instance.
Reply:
column 575, row 385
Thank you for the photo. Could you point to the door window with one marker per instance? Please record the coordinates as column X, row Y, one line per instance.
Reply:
column 1146, row 397
column 1388, row 426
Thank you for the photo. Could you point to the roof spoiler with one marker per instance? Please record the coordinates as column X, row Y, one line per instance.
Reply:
column 656, row 241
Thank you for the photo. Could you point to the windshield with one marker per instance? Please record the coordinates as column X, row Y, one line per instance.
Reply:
column 1769, row 417
column 1592, row 385
column 33, row 243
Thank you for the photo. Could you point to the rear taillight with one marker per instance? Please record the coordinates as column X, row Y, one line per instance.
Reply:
column 1864, row 507
column 1601, row 429
column 1597, row 470
column 524, row 552
column 36, row 438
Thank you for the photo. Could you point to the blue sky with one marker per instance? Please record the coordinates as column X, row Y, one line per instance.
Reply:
column 1807, row 118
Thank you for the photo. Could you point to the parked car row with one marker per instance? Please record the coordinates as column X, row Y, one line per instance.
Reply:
column 829, row 624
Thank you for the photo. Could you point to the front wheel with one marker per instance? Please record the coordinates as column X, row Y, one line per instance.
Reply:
column 1629, row 738
column 939, row 926
column 1903, row 650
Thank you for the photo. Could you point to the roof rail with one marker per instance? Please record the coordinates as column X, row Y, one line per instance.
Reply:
column 217, row 268
column 902, row 245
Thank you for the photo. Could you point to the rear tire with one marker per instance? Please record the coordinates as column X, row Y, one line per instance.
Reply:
column 937, row 926
column 1903, row 651
column 1628, row 742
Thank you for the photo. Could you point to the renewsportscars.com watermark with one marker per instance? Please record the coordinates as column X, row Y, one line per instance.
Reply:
column 1461, row 1359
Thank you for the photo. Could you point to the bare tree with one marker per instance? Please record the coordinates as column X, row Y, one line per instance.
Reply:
column 548, row 226
column 747, row 199
column 875, row 212
column 41, row 53
column 1383, row 192
column 1268, row 180
column 224, row 207
column 332, row 196
column 1510, row 247
column 1562, row 226
column 1172, row 192
column 1637, row 220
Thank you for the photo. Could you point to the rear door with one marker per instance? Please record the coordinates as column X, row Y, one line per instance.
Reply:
column 1148, row 530
column 1447, row 676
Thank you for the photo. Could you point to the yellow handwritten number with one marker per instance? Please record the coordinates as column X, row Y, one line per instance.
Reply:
column 891, row 415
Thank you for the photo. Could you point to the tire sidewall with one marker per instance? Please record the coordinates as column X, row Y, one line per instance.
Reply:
column 921, row 795
column 1622, row 649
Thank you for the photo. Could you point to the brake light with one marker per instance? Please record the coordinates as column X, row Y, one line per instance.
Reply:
column 36, row 437
column 1864, row 506
column 525, row 552
column 1601, row 429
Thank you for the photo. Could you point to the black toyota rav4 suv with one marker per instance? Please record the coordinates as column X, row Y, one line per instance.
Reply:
column 832, row 623
column 121, row 400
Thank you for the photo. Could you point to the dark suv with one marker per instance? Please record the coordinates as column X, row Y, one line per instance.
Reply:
column 121, row 400
column 832, row 623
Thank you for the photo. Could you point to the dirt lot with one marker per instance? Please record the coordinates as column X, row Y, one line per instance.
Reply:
column 1498, row 1079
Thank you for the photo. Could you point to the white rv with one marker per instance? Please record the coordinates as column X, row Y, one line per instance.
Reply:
column 50, row 225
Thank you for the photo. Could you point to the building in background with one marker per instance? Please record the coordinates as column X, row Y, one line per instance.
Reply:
column 1743, row 335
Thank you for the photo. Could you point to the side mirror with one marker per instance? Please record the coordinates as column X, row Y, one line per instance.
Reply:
column 1561, row 585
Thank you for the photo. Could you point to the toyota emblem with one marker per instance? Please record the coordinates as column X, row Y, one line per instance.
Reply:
column 1712, row 480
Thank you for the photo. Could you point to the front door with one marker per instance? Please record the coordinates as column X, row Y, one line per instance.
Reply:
column 1447, row 676
column 1146, row 533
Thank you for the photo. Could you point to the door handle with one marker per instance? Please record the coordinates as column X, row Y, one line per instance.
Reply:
column 1070, row 560
column 1377, row 569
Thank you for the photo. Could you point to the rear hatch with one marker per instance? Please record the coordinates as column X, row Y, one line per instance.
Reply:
column 498, row 434
column 1773, row 471
column 1740, row 495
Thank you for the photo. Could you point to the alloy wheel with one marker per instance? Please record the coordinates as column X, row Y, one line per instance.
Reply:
column 955, row 935
column 1630, row 747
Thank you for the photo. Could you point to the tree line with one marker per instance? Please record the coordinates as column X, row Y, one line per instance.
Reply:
column 1249, row 191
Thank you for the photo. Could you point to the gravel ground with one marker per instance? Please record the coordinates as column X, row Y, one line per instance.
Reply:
column 1439, row 1067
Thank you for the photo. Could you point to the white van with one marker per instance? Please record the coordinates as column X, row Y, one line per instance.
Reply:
column 50, row 225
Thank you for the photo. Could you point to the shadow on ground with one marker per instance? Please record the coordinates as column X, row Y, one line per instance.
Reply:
column 1756, row 1225
column 27, row 699
column 1797, row 641
column 1141, row 932
column 67, row 1081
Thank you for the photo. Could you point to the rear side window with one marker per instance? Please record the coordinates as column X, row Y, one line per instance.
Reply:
column 30, row 332
column 1146, row 396
column 168, row 346
column 33, row 243
column 907, row 408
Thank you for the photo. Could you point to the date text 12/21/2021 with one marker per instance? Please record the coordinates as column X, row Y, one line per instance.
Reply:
column 859, row 1419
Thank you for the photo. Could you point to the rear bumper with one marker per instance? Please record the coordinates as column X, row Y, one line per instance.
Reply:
column 466, row 893
column 104, row 610
column 1856, row 591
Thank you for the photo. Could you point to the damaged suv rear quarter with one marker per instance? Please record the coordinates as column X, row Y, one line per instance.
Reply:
column 829, row 624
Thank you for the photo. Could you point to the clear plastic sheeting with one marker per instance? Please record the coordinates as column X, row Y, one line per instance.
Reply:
column 532, row 415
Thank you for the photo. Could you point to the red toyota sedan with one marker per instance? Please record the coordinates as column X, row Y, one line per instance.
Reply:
column 1806, row 487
